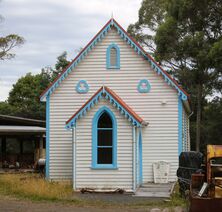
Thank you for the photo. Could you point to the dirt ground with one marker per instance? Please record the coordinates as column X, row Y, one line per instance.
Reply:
column 14, row 205
column 8, row 204
column 11, row 205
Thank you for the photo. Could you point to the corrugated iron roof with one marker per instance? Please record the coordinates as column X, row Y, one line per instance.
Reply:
column 21, row 129
column 107, row 93
column 95, row 39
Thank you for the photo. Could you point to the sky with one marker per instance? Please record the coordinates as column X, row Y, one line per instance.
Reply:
column 51, row 27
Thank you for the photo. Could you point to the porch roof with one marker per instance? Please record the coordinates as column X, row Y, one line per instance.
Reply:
column 21, row 129
column 115, row 100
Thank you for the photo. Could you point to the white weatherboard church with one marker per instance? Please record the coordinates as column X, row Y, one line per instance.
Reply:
column 112, row 114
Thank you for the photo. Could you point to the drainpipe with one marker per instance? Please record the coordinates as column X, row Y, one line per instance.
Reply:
column 190, row 115
column 134, row 159
column 41, row 147
column 74, row 157
column 188, row 128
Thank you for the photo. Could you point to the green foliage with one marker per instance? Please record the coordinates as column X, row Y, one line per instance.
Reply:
column 216, row 53
column 151, row 15
column 24, row 100
column 212, row 119
column 61, row 64
column 7, row 109
column 24, row 96
column 185, row 36
column 7, row 43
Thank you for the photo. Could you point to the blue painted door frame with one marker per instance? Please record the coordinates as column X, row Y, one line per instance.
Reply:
column 140, row 156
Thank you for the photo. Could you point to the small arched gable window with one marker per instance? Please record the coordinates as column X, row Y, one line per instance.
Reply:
column 113, row 57
column 104, row 139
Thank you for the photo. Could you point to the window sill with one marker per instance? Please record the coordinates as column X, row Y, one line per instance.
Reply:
column 104, row 167
column 113, row 67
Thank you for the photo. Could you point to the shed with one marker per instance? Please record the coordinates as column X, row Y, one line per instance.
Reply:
column 22, row 140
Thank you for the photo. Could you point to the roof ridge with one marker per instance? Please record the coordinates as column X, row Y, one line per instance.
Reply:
column 64, row 70
column 132, row 42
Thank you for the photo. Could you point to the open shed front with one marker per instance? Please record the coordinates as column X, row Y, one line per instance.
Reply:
column 21, row 149
column 22, row 142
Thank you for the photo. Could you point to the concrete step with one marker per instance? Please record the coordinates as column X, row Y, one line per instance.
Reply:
column 147, row 189
column 152, row 194
column 155, row 190
column 156, row 185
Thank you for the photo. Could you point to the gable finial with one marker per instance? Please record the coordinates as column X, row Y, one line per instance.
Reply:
column 112, row 18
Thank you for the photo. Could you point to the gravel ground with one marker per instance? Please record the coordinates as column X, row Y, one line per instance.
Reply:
column 14, row 205
column 116, row 198
column 8, row 204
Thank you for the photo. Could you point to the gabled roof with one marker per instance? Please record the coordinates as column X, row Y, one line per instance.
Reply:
column 130, row 41
column 115, row 100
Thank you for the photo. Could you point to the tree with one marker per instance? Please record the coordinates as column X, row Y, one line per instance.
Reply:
column 24, row 96
column 7, row 43
column 151, row 15
column 186, row 38
column 23, row 99
column 61, row 64
column 6, row 109
column 212, row 119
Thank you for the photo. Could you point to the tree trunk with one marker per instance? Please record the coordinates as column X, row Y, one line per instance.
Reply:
column 198, row 119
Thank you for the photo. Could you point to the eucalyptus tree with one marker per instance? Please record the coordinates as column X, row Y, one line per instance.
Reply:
column 186, row 37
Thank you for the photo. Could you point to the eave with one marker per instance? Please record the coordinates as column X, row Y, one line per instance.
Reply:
column 115, row 100
column 130, row 41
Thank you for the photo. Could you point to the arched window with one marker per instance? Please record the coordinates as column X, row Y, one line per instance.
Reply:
column 113, row 57
column 104, row 139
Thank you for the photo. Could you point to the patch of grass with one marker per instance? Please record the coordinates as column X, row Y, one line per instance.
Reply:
column 33, row 187
column 176, row 199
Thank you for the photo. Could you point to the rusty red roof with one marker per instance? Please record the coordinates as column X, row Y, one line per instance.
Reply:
column 102, row 92
column 84, row 51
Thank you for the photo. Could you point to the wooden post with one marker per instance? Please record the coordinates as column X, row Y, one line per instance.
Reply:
column 41, row 147
column 3, row 148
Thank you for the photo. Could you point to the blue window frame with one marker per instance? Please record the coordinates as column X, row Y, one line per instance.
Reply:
column 104, row 140
column 113, row 57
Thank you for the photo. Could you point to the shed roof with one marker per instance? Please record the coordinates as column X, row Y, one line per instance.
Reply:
column 21, row 129
column 20, row 121
column 113, row 98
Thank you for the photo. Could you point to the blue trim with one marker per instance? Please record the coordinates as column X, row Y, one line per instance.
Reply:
column 47, row 135
column 140, row 157
column 130, row 42
column 95, row 165
column 185, row 132
column 106, row 95
column 79, row 89
column 145, row 89
column 134, row 160
column 137, row 158
column 108, row 65
column 180, row 125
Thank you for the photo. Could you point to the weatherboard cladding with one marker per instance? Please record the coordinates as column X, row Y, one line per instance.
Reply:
column 160, row 137
column 88, row 177
column 130, row 41
column 113, row 98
